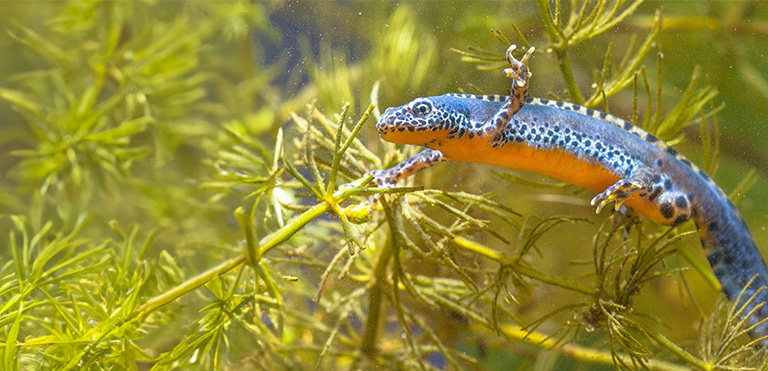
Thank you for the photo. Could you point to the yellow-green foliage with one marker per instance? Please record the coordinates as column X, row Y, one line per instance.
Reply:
column 181, row 187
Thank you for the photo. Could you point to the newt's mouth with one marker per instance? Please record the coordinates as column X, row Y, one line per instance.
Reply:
column 397, row 125
column 394, row 128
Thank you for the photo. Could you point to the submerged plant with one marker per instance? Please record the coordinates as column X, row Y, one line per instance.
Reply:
column 180, row 210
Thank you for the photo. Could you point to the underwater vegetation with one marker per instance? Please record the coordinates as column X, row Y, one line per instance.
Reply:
column 170, row 193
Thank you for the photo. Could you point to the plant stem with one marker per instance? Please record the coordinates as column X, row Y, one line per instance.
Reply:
column 578, row 352
column 201, row 279
column 555, row 34
column 565, row 68
column 371, row 332
column 266, row 244
column 560, row 43
column 521, row 269
column 376, row 287
column 679, row 351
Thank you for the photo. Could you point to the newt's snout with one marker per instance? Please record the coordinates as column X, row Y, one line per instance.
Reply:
column 386, row 121
column 395, row 125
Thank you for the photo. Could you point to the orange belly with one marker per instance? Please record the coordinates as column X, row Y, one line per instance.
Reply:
column 555, row 163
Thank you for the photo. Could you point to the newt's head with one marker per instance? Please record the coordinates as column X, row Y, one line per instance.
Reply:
column 421, row 121
column 432, row 120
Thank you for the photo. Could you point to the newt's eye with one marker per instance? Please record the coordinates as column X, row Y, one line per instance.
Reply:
column 421, row 108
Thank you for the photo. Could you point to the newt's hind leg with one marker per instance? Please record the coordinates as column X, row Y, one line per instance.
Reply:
column 641, row 180
column 675, row 207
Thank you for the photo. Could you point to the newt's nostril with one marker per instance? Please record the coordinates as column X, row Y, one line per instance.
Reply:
column 386, row 121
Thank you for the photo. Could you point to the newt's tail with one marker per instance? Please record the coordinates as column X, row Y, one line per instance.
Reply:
column 740, row 268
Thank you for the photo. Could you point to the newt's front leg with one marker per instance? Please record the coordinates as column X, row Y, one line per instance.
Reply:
column 519, row 73
column 424, row 159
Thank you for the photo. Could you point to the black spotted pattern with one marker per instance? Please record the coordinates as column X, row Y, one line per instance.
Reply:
column 679, row 189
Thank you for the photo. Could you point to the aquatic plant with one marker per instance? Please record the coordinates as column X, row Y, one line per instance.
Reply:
column 174, row 200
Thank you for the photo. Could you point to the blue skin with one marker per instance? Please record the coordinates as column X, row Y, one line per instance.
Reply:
column 612, row 143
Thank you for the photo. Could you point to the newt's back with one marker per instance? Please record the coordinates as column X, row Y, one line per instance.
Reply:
column 597, row 151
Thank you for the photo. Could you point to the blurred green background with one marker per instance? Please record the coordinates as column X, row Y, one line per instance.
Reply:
column 119, row 121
